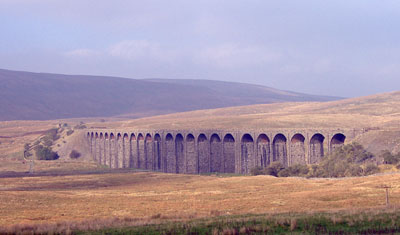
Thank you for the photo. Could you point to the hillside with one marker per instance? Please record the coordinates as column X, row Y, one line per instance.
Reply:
column 377, row 111
column 44, row 96
column 378, row 115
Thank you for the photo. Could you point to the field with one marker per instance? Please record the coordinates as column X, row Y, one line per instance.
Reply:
column 155, row 197
column 78, row 194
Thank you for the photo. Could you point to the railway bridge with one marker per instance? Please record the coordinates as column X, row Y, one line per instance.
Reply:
column 207, row 151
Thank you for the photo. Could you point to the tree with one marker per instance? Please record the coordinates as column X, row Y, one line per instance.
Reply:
column 45, row 153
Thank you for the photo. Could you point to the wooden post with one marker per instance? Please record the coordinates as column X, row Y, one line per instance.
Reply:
column 387, row 196
column 386, row 187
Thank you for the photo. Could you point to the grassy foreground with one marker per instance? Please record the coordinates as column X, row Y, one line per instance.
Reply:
column 366, row 222
column 66, row 203
column 377, row 221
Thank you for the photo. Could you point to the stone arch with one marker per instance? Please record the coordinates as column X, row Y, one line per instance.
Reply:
column 120, row 151
column 91, row 143
column 95, row 146
column 107, row 150
column 191, row 156
column 280, row 149
column 179, row 154
column 133, row 161
column 101, row 149
column 247, row 153
column 337, row 141
column 149, row 156
column 113, row 153
column 157, row 152
column 263, row 150
column 229, row 153
column 126, row 149
column 204, row 154
column 297, row 150
column 141, row 152
column 170, row 159
column 316, row 148
column 215, row 153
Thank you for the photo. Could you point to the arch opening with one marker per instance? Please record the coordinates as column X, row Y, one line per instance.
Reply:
column 247, row 154
column 280, row 149
column 148, row 152
column 204, row 154
column 141, row 159
column 191, row 156
column 297, row 150
column 316, row 148
column 180, row 158
column 119, row 157
column 263, row 150
column 337, row 141
column 229, row 153
column 157, row 152
column 170, row 158
column 215, row 153
column 126, row 149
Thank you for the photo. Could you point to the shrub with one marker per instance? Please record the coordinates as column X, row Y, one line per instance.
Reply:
column 353, row 170
column 74, row 154
column 298, row 170
column 45, row 153
column 284, row 173
column 70, row 132
column 80, row 126
column 389, row 158
column 274, row 168
column 345, row 161
column 258, row 170
column 370, row 169
column 52, row 134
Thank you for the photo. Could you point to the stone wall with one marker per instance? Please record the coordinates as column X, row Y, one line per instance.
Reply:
column 206, row 151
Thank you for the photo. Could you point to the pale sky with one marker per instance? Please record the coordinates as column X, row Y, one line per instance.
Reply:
column 329, row 47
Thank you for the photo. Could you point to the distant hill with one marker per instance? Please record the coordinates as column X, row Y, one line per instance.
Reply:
column 43, row 96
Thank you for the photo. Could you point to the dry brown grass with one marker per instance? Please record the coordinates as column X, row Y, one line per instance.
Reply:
column 32, row 200
column 378, row 111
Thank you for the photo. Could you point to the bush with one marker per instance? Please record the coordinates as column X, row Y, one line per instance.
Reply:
column 389, row 158
column 80, row 126
column 284, row 173
column 258, row 170
column 52, row 134
column 274, row 169
column 74, row 154
column 70, row 132
column 45, row 153
column 298, row 170
column 353, row 170
column 370, row 169
column 345, row 161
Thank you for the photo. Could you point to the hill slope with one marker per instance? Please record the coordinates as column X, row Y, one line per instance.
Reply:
column 377, row 115
column 41, row 96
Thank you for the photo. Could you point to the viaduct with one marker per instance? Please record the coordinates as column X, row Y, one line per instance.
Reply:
column 207, row 151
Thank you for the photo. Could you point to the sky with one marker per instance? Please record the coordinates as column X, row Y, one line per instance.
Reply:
column 331, row 47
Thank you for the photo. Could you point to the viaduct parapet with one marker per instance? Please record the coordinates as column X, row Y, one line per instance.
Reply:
column 207, row 151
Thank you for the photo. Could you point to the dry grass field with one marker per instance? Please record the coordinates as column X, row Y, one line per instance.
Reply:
column 158, row 197
column 51, row 199
column 380, row 111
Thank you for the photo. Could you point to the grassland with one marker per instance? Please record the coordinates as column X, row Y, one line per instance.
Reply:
column 84, row 196
column 168, row 197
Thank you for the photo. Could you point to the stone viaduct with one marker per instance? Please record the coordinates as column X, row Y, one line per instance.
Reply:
column 207, row 151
